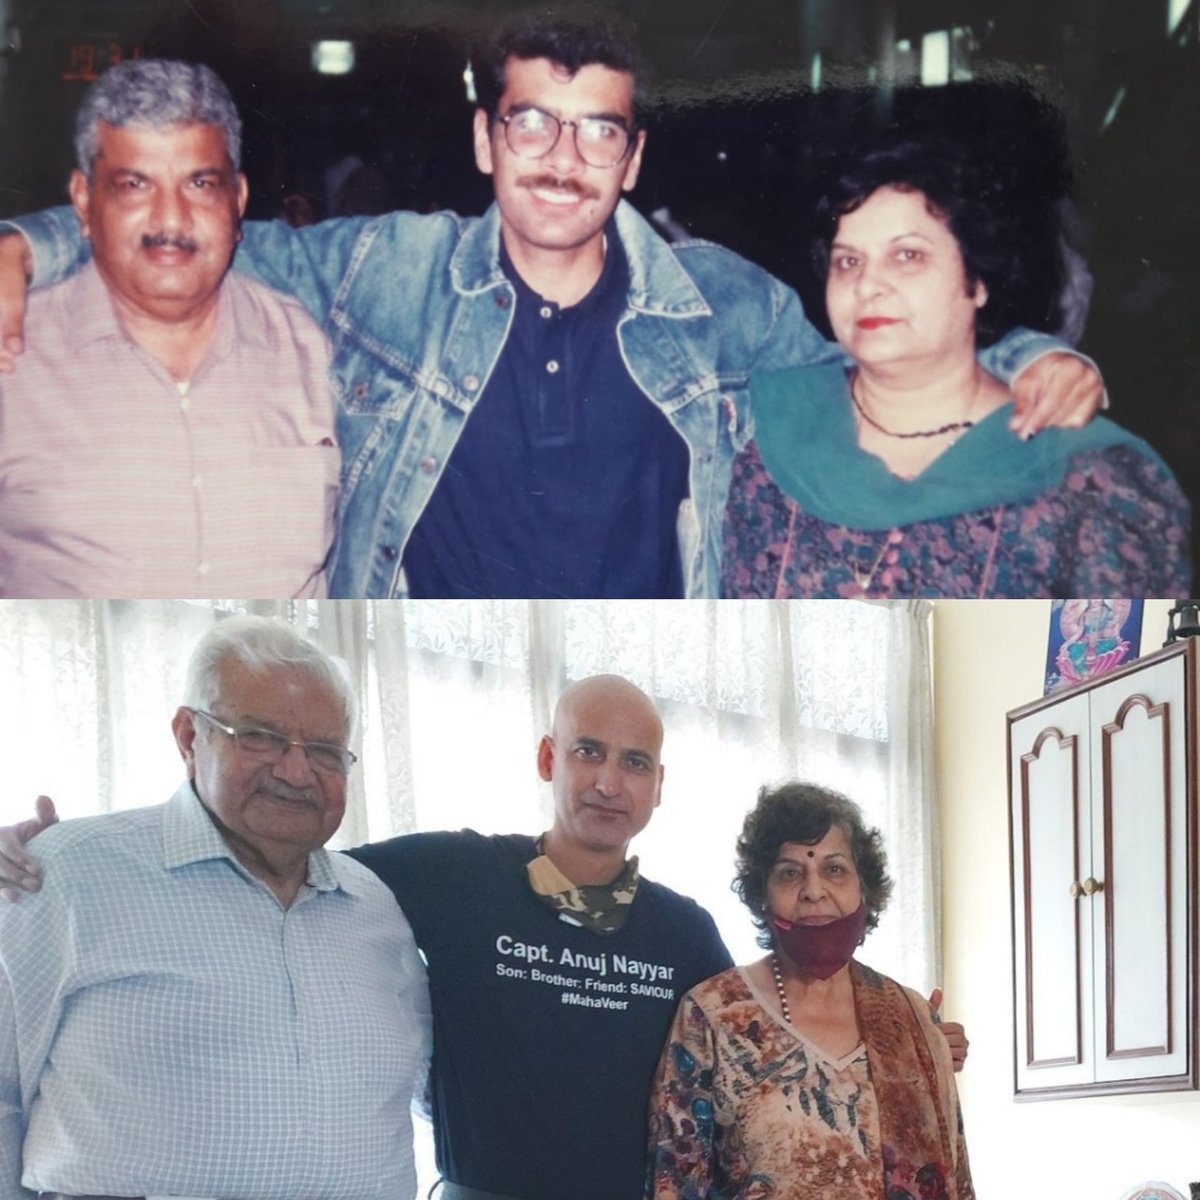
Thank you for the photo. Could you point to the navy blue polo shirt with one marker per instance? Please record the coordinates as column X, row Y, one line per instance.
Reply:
column 566, row 480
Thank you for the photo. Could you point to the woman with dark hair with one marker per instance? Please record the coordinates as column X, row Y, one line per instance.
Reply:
column 902, row 477
column 806, row 1074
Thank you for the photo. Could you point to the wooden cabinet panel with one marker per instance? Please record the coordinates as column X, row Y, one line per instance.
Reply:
column 1102, row 803
column 1140, row 808
column 1051, row 801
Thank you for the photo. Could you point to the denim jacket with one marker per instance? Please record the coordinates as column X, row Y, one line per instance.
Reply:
column 418, row 309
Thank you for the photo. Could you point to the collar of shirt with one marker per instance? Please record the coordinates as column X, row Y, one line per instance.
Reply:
column 92, row 315
column 658, row 284
column 607, row 292
column 190, row 836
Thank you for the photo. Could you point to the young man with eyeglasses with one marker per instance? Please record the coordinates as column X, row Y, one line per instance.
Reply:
column 547, row 400
column 201, row 1001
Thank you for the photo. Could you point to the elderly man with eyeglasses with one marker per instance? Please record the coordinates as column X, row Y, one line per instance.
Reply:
column 201, row 1001
column 545, row 400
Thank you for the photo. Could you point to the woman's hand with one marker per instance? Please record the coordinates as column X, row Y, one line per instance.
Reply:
column 1059, row 391
column 19, row 872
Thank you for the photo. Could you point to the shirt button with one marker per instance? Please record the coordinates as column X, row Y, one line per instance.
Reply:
column 552, row 366
column 471, row 383
column 198, row 482
column 389, row 552
column 184, row 404
column 546, row 311
column 361, row 390
column 428, row 466
column 203, row 568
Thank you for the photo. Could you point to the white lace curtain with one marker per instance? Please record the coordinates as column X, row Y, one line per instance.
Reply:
column 456, row 694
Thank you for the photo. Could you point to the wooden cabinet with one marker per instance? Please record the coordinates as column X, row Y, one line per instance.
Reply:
column 1102, row 819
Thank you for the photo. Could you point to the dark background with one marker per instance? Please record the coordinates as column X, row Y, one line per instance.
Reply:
column 1091, row 106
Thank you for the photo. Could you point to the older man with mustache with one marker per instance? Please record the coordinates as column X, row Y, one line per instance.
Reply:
column 162, row 408
column 202, row 1001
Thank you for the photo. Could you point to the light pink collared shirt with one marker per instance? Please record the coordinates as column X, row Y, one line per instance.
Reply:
column 114, row 484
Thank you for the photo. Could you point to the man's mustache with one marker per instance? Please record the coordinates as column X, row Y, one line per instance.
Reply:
column 174, row 241
column 555, row 184
column 281, row 790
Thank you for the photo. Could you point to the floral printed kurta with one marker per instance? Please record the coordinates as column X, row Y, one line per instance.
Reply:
column 1116, row 525
column 744, row 1108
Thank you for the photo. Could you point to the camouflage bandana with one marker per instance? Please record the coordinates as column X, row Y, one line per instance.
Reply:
column 602, row 908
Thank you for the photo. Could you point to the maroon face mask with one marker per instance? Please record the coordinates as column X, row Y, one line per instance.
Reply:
column 821, row 950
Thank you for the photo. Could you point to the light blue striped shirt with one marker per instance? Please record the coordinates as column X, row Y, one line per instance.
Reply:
column 166, row 1028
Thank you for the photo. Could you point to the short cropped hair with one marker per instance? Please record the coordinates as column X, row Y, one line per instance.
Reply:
column 160, row 93
column 572, row 35
column 962, row 188
column 805, row 812
column 260, row 643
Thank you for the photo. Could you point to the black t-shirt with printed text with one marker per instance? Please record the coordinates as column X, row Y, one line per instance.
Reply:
column 546, row 1035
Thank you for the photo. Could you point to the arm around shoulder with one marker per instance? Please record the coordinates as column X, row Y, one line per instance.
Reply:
column 1053, row 385
column 35, row 251
column 791, row 339
column 367, row 265
column 54, row 245
column 755, row 312
column 16, row 265
column 309, row 263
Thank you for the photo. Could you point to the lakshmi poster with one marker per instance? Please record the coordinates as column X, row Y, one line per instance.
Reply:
column 1090, row 638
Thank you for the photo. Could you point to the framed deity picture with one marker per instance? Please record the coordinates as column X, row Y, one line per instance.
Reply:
column 1090, row 638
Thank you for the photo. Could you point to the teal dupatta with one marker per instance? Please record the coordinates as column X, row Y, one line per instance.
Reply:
column 805, row 431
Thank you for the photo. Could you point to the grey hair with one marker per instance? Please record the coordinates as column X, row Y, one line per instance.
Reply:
column 805, row 812
column 159, row 93
column 260, row 643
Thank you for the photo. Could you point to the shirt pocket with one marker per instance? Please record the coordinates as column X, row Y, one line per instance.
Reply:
column 368, row 386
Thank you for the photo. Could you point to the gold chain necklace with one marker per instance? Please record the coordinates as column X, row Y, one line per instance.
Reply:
column 863, row 580
column 895, row 538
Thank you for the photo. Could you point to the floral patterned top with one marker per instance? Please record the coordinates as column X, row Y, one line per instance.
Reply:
column 744, row 1108
column 1116, row 525
column 1073, row 512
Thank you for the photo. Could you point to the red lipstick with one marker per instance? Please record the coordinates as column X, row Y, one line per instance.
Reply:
column 875, row 322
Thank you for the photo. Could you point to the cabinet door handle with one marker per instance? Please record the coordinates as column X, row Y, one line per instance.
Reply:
column 1076, row 889
column 1092, row 886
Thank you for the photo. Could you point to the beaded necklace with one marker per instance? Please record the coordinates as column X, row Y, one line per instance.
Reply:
column 952, row 427
column 783, row 1004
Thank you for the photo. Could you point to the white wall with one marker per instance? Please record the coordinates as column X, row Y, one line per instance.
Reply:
column 989, row 657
